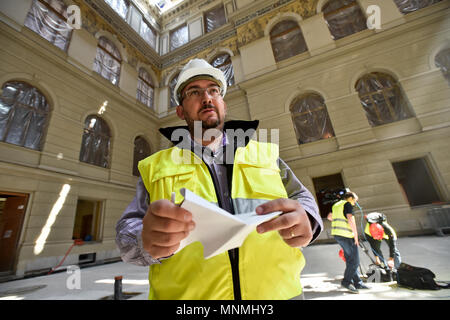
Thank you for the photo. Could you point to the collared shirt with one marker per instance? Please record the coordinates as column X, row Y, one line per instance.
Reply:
column 129, row 226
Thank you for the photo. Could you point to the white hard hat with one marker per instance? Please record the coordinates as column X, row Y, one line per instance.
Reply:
column 198, row 69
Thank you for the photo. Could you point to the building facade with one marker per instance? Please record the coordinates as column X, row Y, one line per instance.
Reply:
column 356, row 93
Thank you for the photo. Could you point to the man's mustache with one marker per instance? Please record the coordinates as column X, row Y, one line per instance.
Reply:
column 208, row 106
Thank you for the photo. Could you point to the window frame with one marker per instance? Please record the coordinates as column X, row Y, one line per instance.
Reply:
column 142, row 93
column 26, row 128
column 354, row 4
column 404, row 10
column 205, row 24
column 322, row 109
column 127, row 4
column 30, row 15
column 292, row 29
column 171, row 90
column 111, row 55
column 439, row 65
column 91, row 132
column 396, row 88
column 230, row 82
column 137, row 159
column 182, row 26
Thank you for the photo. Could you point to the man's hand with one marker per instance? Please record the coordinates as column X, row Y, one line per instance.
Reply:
column 164, row 226
column 293, row 224
column 391, row 263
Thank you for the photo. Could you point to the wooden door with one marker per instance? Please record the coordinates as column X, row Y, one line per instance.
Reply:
column 11, row 220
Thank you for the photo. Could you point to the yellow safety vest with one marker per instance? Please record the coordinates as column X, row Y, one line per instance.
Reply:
column 268, row 267
column 339, row 223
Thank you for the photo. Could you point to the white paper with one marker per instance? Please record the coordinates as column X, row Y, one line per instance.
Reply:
column 217, row 229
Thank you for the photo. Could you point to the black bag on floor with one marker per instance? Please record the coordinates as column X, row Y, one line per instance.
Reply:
column 416, row 278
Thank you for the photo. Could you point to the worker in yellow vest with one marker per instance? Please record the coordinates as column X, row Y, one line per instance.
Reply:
column 217, row 161
column 378, row 229
column 343, row 228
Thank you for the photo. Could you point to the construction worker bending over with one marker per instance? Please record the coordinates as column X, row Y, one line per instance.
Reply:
column 343, row 228
column 378, row 229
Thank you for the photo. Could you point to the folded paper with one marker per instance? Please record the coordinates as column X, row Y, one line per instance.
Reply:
column 217, row 229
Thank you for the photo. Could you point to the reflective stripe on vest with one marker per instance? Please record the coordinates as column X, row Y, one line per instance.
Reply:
column 187, row 275
column 339, row 223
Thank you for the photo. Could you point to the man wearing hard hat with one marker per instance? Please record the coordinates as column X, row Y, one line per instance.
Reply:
column 343, row 229
column 376, row 230
column 239, row 175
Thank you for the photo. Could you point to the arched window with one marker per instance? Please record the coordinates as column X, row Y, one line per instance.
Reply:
column 119, row 6
column 442, row 61
column 141, row 151
column 223, row 62
column 145, row 91
column 108, row 60
column 344, row 17
column 24, row 115
column 95, row 146
column 172, row 84
column 310, row 116
column 48, row 18
column 287, row 40
column 408, row 6
column 382, row 98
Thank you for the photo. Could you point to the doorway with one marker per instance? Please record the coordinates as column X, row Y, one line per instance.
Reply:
column 12, row 213
column 87, row 220
column 416, row 182
column 326, row 188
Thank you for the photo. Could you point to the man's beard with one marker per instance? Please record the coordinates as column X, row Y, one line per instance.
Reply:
column 207, row 124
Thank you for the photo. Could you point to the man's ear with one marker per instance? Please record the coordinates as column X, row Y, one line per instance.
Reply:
column 180, row 112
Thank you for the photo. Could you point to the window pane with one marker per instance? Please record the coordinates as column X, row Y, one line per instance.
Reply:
column 172, row 85
column 311, row 119
column 287, row 40
column 141, row 151
column 382, row 99
column 148, row 34
column 223, row 62
column 442, row 61
column 95, row 146
column 48, row 19
column 145, row 88
column 119, row 6
column 215, row 18
column 34, row 134
column 408, row 6
column 107, row 63
column 178, row 37
column 416, row 181
column 24, row 115
column 344, row 17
